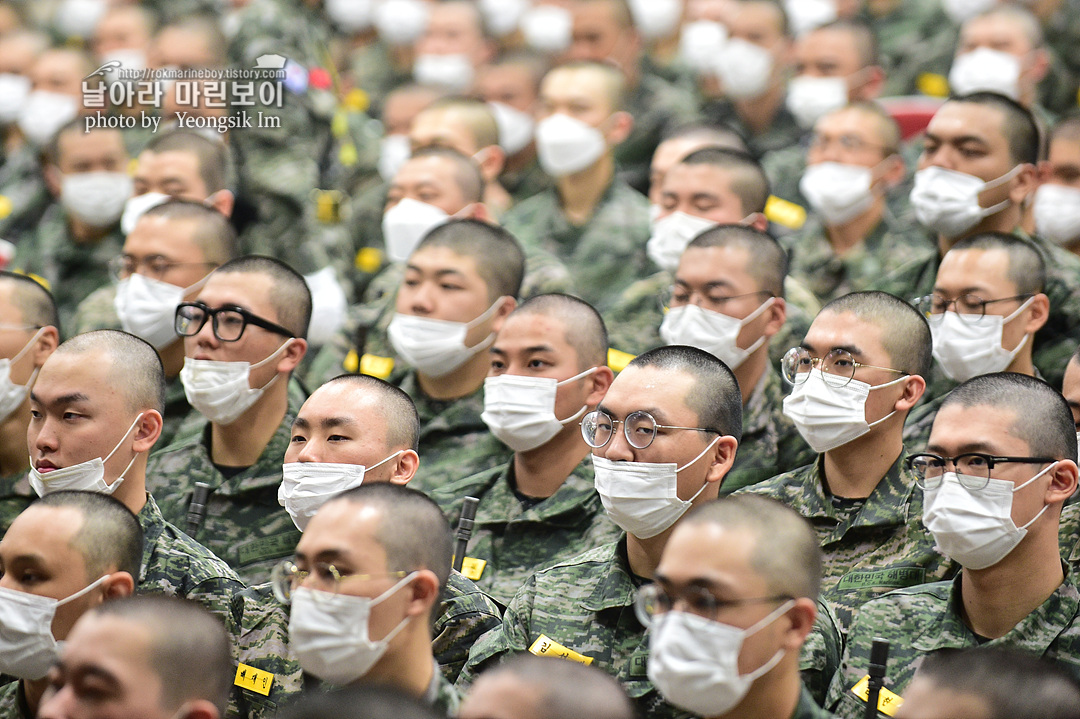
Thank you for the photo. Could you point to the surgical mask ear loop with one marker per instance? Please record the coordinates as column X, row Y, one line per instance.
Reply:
column 260, row 363
column 581, row 412
column 695, row 459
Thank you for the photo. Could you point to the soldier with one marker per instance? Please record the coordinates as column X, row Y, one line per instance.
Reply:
column 79, row 234
column 999, row 435
column 1056, row 208
column 23, row 195
column 854, row 238
column 56, row 551
column 856, row 376
column 378, row 555
column 728, row 299
column 732, row 601
column 984, row 313
column 591, row 220
column 676, row 146
column 155, row 656
column 243, row 337
column 29, row 333
column 459, row 286
column 548, row 368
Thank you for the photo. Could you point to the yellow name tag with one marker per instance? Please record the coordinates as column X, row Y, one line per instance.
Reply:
column 545, row 647
column 785, row 213
column 617, row 359
column 933, row 84
column 887, row 703
column 376, row 366
column 254, row 679
column 473, row 568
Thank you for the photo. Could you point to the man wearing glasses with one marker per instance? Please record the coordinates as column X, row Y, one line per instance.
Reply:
column 243, row 337
column 986, row 307
column 1000, row 464
column 856, row 376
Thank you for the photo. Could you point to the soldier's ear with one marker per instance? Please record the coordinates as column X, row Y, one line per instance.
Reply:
column 53, row 178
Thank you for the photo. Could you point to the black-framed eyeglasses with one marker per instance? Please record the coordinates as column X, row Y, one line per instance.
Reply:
column 640, row 428
column 653, row 600
column 837, row 367
column 154, row 266
column 678, row 295
column 972, row 468
column 286, row 577
column 970, row 307
column 228, row 321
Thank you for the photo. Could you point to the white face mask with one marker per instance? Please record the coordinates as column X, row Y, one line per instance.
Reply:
column 699, row 44
column 547, row 28
column 137, row 206
column 966, row 349
column 1057, row 213
column 221, row 391
column 394, row 152
column 406, row 223
column 14, row 89
column 806, row 15
column 744, row 69
column 808, row 98
column 147, row 308
column 838, row 192
column 401, row 22
column 642, row 497
column 828, row 417
column 351, row 16
column 986, row 70
column 129, row 58
column 960, row 11
column 713, row 332
column 88, row 476
column 307, row 486
column 947, row 201
column 453, row 72
column 437, row 347
column 566, row 145
column 655, row 19
column 671, row 235
column 694, row 662
column 79, row 18
column 27, row 646
column 516, row 128
column 96, row 198
column 330, row 633
column 13, row 395
column 502, row 17
column 975, row 527
column 44, row 113
column 520, row 411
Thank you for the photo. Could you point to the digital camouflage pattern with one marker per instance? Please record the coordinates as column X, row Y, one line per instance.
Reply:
column 513, row 541
column 880, row 547
column 924, row 619
column 658, row 107
column 13, row 701
column 24, row 196
column 908, row 32
column 15, row 496
column 783, row 132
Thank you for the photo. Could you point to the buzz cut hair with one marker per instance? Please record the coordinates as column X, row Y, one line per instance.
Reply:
column 566, row 689
column 786, row 551
column 203, row 24
column 866, row 43
column 1041, row 416
column 537, row 64
column 1067, row 128
column 886, row 127
column 715, row 395
column 748, row 180
column 110, row 538
column 710, row 135
column 36, row 303
column 613, row 79
column 767, row 263
column 1027, row 269
column 51, row 151
column 467, row 175
column 134, row 365
column 213, row 234
column 585, row 330
column 398, row 409
column 475, row 115
column 412, row 529
column 289, row 296
column 189, row 648
column 1018, row 16
column 499, row 259
column 905, row 333
column 1018, row 125
column 212, row 157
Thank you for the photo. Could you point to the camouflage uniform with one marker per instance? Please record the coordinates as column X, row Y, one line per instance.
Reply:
column 912, row 31
column 526, row 182
column 770, row 443
column 586, row 605
column 1055, row 343
column 1069, row 531
column 921, row 620
column 873, row 548
column 24, row 197
column 454, row 441
column 829, row 275
column 604, row 255
column 657, row 107
column 15, row 496
column 633, row 322
column 262, row 628
column 244, row 524
column 13, row 701
column 807, row 708
column 515, row 540
column 783, row 132
column 72, row 270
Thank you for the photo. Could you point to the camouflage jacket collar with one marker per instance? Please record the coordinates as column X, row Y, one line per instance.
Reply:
column 893, row 502
column 455, row 416
column 576, row 501
column 615, row 587
column 153, row 524
column 766, row 398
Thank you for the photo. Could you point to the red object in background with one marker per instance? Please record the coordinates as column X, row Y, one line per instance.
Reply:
column 7, row 254
column 911, row 112
column 319, row 78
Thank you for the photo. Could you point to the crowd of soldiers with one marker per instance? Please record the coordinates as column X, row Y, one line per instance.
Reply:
column 512, row 359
